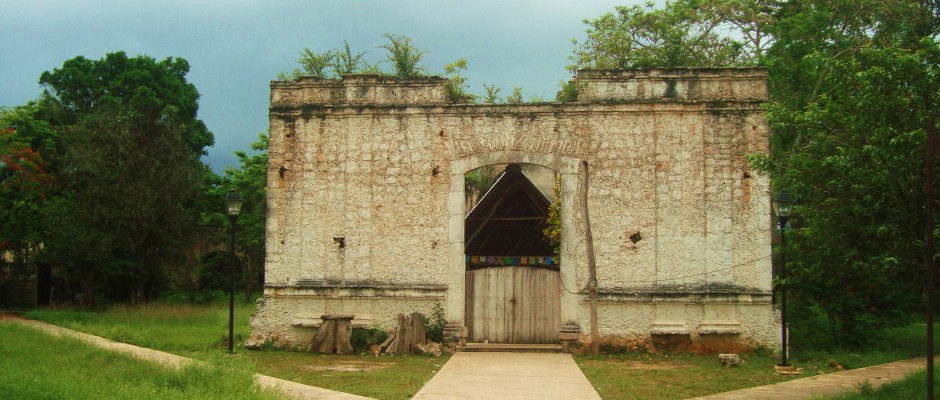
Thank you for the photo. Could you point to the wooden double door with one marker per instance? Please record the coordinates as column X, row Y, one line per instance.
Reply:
column 513, row 304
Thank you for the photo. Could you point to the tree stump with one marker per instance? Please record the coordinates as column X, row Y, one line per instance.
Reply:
column 417, row 329
column 405, row 339
column 334, row 335
column 407, row 335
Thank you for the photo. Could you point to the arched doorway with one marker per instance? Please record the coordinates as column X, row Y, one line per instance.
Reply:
column 512, row 276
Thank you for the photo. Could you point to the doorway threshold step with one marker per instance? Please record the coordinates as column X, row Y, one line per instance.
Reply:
column 512, row 348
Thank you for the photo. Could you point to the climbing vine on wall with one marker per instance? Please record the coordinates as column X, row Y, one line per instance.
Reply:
column 552, row 229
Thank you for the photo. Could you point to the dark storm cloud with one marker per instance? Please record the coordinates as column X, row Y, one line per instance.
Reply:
column 236, row 47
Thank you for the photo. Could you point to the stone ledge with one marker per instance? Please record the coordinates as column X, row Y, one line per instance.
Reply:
column 292, row 111
column 359, row 321
column 672, row 83
column 360, row 89
column 690, row 296
column 715, row 327
column 669, row 328
column 358, row 290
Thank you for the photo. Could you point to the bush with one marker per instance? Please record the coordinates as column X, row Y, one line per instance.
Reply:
column 363, row 338
column 434, row 325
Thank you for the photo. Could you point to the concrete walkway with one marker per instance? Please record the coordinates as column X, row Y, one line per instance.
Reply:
column 292, row 389
column 492, row 376
column 827, row 384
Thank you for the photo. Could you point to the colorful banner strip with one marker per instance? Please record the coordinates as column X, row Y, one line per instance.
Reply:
column 501, row 260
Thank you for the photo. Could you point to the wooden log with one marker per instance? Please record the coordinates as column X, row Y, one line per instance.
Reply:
column 387, row 342
column 592, row 267
column 408, row 334
column 343, row 336
column 333, row 336
column 393, row 345
column 405, row 344
column 469, row 302
column 324, row 340
column 417, row 329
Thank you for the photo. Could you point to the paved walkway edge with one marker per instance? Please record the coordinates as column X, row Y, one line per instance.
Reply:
column 827, row 384
column 293, row 389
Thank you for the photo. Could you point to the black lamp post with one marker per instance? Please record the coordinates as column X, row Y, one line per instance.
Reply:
column 782, row 206
column 233, row 205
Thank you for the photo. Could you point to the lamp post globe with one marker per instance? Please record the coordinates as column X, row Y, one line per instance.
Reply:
column 233, row 206
column 783, row 205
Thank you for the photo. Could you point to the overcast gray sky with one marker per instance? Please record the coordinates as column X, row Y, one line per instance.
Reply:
column 236, row 47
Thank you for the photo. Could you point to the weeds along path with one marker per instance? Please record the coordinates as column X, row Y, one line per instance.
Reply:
column 292, row 389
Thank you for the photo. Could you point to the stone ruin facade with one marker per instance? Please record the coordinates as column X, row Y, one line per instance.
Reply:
column 366, row 204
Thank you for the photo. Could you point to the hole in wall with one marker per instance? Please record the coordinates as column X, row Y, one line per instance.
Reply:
column 634, row 236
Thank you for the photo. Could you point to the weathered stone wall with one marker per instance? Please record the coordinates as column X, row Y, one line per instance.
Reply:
column 366, row 199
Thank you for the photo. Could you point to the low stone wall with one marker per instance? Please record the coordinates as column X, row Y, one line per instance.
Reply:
column 290, row 316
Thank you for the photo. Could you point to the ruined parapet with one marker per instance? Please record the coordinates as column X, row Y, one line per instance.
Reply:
column 672, row 84
column 359, row 89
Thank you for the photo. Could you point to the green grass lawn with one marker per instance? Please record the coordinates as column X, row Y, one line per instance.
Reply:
column 177, row 328
column 37, row 365
column 201, row 332
column 385, row 377
column 654, row 376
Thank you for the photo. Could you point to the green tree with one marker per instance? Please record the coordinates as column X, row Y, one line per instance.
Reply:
column 567, row 93
column 515, row 97
column 492, row 94
column 552, row 230
column 403, row 56
column 131, row 143
column 684, row 33
column 852, row 86
column 27, row 143
column 250, row 181
column 457, row 84
column 346, row 62
column 315, row 64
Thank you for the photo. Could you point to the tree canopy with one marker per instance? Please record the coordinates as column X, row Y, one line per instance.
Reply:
column 27, row 147
column 250, row 181
column 853, row 85
column 686, row 33
column 107, row 163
